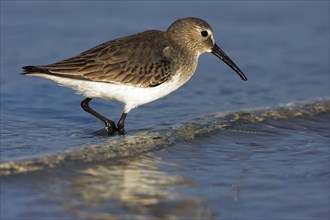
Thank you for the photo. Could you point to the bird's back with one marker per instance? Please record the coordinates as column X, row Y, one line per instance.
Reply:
column 145, row 59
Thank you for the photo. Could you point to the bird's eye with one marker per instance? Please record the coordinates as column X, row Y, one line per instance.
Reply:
column 204, row 33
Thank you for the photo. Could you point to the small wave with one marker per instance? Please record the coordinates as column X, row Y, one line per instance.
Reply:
column 252, row 122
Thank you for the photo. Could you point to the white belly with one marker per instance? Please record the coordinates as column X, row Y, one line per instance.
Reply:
column 131, row 96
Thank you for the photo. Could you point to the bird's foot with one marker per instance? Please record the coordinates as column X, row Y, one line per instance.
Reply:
column 121, row 131
column 110, row 127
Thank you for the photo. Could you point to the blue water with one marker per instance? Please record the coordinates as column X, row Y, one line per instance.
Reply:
column 217, row 148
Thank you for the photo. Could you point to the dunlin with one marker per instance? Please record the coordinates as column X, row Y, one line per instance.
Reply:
column 136, row 69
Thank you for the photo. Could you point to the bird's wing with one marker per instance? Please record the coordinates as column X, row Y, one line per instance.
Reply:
column 143, row 60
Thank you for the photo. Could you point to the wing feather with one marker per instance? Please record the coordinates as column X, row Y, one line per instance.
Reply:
column 138, row 59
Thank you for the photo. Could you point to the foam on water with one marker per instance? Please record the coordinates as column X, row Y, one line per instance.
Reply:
column 252, row 123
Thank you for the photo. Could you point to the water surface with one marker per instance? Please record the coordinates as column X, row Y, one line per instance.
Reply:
column 216, row 148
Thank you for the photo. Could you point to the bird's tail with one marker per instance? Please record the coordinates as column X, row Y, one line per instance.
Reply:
column 33, row 70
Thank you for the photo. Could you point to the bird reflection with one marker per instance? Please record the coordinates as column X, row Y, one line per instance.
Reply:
column 133, row 188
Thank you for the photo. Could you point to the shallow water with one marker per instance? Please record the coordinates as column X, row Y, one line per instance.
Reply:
column 216, row 148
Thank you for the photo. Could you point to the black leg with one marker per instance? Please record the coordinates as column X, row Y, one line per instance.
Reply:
column 110, row 126
column 120, row 124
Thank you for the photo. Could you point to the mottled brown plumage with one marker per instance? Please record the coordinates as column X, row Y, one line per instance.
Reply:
column 141, row 59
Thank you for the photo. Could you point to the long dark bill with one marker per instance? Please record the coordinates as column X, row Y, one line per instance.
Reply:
column 216, row 50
